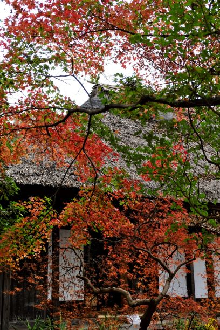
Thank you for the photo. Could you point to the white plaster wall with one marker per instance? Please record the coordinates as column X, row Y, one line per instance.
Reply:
column 70, row 266
column 200, row 278
column 178, row 285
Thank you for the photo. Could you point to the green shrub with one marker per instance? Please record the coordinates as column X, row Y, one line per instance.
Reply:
column 47, row 324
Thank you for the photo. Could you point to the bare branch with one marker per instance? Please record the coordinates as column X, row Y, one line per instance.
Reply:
column 82, row 149
column 163, row 265
column 112, row 27
column 201, row 142
column 170, row 278
column 131, row 302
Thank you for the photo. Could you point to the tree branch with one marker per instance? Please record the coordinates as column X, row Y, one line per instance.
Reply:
column 170, row 278
column 217, row 163
column 131, row 302
column 163, row 265
column 82, row 149
column 112, row 27
column 181, row 103
column 144, row 100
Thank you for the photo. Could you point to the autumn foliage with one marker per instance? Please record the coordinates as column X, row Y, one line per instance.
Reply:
column 173, row 50
column 138, row 240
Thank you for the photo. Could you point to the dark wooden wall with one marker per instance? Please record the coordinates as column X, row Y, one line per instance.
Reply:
column 18, row 299
column 4, row 300
column 23, row 301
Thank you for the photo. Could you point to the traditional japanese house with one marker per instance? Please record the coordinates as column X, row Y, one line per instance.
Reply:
column 46, row 179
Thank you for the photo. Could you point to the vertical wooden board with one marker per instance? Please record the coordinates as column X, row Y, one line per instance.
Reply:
column 32, row 300
column 1, row 299
column 7, row 300
column 49, row 271
column 5, row 309
column 29, row 301
column 13, row 303
column 19, row 301
column 200, row 278
column 26, row 301
column 190, row 280
column 55, row 273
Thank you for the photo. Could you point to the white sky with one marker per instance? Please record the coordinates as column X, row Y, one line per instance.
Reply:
column 70, row 87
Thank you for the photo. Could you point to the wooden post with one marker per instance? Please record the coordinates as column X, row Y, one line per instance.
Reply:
column 55, row 274
column 190, row 280
column 4, row 300
column 1, row 299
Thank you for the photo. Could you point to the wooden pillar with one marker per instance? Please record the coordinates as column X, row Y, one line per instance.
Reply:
column 4, row 300
column 190, row 281
column 55, row 274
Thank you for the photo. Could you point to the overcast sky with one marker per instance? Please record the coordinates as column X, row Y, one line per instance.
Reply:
column 69, row 86
column 72, row 88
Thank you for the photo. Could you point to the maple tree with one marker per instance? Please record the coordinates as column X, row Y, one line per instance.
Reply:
column 173, row 47
column 139, row 241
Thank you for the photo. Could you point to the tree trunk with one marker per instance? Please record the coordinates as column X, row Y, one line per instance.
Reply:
column 147, row 316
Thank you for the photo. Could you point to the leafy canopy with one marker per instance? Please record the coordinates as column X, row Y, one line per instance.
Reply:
column 173, row 48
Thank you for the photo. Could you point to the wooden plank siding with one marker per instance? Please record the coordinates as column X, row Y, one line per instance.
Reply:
column 23, row 302
column 4, row 300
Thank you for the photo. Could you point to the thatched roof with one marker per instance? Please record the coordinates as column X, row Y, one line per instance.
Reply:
column 129, row 133
column 44, row 173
